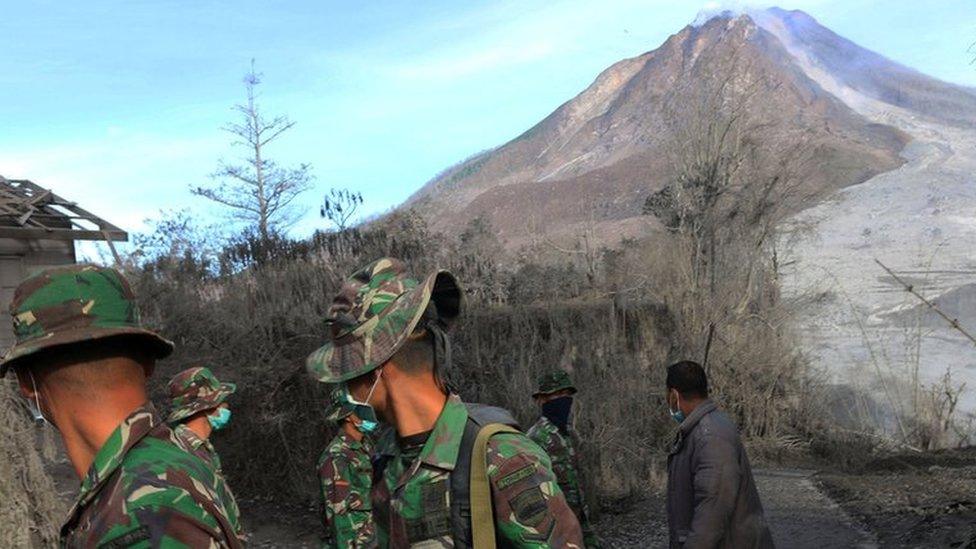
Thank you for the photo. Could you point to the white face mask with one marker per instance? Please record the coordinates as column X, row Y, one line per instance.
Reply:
column 35, row 405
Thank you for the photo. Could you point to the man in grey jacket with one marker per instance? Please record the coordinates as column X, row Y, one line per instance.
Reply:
column 712, row 497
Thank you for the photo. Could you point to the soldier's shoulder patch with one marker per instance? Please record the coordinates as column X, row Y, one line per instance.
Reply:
column 515, row 476
column 128, row 539
column 531, row 509
column 529, row 506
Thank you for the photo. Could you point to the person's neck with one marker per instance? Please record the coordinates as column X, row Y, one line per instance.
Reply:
column 688, row 406
column 86, row 425
column 351, row 431
column 416, row 405
column 201, row 426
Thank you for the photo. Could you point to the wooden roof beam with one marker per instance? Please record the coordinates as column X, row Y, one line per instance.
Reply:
column 37, row 233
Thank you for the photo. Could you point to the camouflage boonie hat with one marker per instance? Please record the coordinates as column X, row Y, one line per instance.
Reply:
column 554, row 381
column 339, row 406
column 73, row 304
column 195, row 390
column 374, row 312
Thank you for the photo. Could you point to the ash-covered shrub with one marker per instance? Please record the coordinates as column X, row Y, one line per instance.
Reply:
column 616, row 320
column 31, row 512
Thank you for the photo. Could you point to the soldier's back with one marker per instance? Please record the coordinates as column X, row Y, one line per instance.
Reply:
column 204, row 449
column 413, row 500
column 145, row 489
column 562, row 449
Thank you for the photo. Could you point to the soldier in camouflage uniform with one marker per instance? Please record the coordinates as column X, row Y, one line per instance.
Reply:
column 82, row 358
column 346, row 477
column 197, row 401
column 198, row 406
column 555, row 434
column 388, row 349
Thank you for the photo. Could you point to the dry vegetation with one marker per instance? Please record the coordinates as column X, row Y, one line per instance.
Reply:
column 255, row 325
column 253, row 308
column 31, row 509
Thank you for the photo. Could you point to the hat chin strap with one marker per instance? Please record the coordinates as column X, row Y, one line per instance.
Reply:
column 442, row 353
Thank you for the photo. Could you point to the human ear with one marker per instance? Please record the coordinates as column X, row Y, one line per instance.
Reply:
column 24, row 381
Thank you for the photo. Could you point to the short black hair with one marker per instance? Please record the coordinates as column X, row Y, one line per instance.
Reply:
column 688, row 377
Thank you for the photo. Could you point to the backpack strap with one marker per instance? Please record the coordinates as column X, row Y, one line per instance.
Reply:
column 482, row 515
column 479, row 416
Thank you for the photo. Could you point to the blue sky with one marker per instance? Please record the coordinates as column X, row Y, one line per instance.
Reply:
column 117, row 105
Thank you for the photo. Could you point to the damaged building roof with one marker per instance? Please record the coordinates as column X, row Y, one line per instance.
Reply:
column 29, row 211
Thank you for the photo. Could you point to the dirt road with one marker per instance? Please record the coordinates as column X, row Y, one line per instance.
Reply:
column 800, row 516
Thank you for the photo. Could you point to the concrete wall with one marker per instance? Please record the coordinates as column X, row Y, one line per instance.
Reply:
column 19, row 259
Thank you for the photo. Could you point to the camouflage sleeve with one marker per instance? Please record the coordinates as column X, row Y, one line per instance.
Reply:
column 530, row 509
column 565, row 467
column 163, row 517
column 331, row 492
column 347, row 516
column 233, row 512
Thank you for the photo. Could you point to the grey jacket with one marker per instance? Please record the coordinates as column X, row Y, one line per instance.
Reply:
column 712, row 497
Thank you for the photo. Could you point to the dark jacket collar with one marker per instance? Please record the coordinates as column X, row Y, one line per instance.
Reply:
column 690, row 422
column 703, row 409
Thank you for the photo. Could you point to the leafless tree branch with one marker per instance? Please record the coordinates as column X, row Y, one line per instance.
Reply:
column 257, row 190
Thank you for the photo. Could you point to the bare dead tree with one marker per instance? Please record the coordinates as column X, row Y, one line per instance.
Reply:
column 586, row 248
column 257, row 191
column 733, row 185
column 709, row 151
column 736, row 176
column 339, row 206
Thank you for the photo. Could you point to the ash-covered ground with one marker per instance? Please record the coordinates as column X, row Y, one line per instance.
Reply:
column 920, row 220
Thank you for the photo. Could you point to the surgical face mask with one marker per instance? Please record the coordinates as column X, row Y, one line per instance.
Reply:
column 219, row 420
column 363, row 410
column 558, row 411
column 34, row 405
column 677, row 414
column 368, row 437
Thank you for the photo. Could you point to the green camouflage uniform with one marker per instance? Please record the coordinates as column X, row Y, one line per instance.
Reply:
column 346, row 476
column 144, row 487
column 193, row 391
column 374, row 313
column 201, row 447
column 529, row 508
column 561, row 447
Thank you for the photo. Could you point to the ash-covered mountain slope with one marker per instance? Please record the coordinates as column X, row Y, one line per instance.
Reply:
column 918, row 219
column 598, row 156
column 869, row 73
